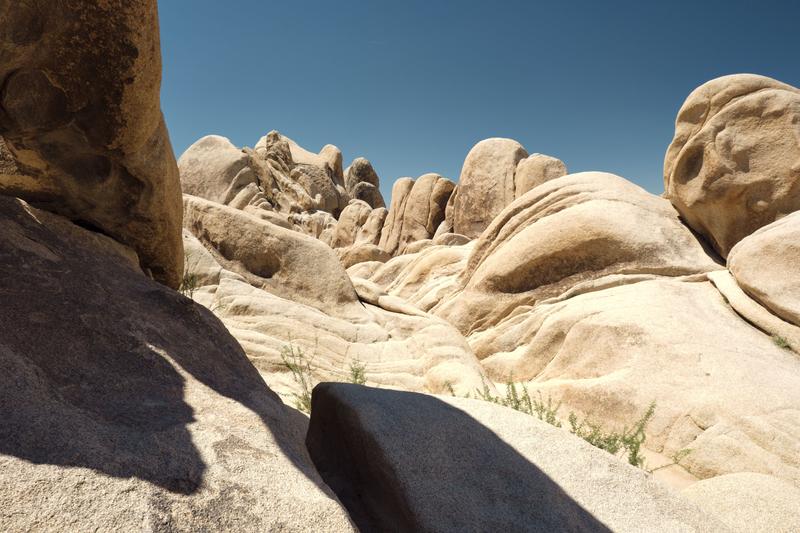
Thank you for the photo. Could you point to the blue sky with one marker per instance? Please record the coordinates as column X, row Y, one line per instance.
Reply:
column 413, row 85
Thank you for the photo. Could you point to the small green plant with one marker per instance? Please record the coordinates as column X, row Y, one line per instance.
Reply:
column 677, row 459
column 520, row 399
column 628, row 441
column 189, row 283
column 298, row 364
column 358, row 372
column 781, row 342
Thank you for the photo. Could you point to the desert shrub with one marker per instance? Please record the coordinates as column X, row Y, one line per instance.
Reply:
column 625, row 443
column 295, row 360
column 781, row 342
column 520, row 399
column 358, row 372
column 628, row 441
column 189, row 283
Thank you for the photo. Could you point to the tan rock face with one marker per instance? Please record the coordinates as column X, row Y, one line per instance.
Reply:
column 535, row 170
column 417, row 212
column 353, row 218
column 149, row 417
column 268, row 177
column 748, row 502
column 361, row 253
column 370, row 232
column 734, row 164
column 290, row 264
column 486, row 184
column 612, row 347
column 81, row 115
column 213, row 168
column 565, row 232
column 766, row 265
column 362, row 183
column 397, row 344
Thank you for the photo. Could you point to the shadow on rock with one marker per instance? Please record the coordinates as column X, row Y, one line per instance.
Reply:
column 403, row 461
column 96, row 359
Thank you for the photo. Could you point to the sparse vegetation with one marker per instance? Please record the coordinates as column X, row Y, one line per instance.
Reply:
column 781, row 342
column 677, row 459
column 521, row 400
column 626, row 443
column 189, row 283
column 294, row 359
column 296, row 362
column 358, row 372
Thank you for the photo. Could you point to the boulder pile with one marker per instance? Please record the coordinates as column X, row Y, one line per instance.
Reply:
column 502, row 334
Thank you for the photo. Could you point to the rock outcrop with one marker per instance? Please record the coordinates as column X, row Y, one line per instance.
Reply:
column 486, row 184
column 80, row 112
column 291, row 265
column 535, row 170
column 416, row 211
column 766, row 265
column 564, row 234
column 125, row 405
column 214, row 169
column 362, row 183
column 411, row 462
column 734, row 164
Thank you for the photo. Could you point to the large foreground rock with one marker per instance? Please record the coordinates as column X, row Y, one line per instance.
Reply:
column 734, row 163
column 125, row 406
column 766, row 265
column 411, row 462
column 80, row 111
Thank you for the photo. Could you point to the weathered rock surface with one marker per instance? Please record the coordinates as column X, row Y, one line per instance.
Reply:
column 566, row 232
column 610, row 347
column 126, row 406
column 352, row 219
column 362, row 183
column 292, row 265
column 766, row 265
column 535, row 170
column 734, row 163
column 328, row 159
column 361, row 253
column 416, row 213
column 370, row 232
column 398, row 345
column 80, row 111
column 486, row 184
column 411, row 462
column 214, row 169
column 749, row 503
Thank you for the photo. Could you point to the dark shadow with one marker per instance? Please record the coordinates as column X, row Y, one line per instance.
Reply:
column 84, row 381
column 401, row 461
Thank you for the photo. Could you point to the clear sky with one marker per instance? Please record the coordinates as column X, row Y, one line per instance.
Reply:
column 412, row 85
